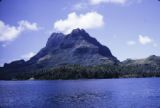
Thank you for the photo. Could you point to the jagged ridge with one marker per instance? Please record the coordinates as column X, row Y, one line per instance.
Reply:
column 75, row 48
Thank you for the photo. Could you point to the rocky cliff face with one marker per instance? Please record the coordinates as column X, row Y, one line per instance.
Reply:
column 75, row 48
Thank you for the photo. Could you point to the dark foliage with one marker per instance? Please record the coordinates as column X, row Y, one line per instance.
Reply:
column 82, row 72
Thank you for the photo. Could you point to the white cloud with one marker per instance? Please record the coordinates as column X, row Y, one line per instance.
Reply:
column 145, row 40
column 155, row 45
column 80, row 6
column 28, row 55
column 96, row 2
column 131, row 42
column 88, row 4
column 25, row 25
column 89, row 20
column 9, row 33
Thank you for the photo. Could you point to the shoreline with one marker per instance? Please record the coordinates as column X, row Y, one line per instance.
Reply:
column 83, row 79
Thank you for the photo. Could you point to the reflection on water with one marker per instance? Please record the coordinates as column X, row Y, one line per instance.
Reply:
column 82, row 98
column 109, row 93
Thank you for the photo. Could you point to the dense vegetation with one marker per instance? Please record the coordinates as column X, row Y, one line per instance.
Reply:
column 81, row 72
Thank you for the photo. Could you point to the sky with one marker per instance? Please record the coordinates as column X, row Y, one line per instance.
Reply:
column 130, row 28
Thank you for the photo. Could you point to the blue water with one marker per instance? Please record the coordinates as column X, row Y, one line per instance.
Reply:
column 104, row 93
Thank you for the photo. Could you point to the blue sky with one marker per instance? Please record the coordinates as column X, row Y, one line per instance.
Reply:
column 130, row 28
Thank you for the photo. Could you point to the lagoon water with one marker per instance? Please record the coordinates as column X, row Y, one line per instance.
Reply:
column 97, row 93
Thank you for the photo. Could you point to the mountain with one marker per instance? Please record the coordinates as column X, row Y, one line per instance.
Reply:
column 78, row 47
column 152, row 60
column 75, row 48
column 78, row 55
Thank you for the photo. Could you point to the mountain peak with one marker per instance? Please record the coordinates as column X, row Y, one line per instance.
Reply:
column 56, row 34
column 153, row 56
column 77, row 30
column 78, row 47
column 54, row 39
column 78, row 33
